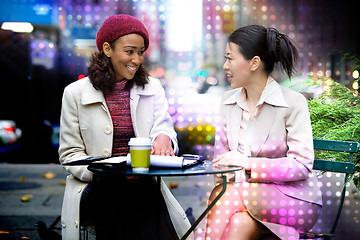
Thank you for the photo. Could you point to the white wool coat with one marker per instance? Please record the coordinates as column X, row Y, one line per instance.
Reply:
column 86, row 130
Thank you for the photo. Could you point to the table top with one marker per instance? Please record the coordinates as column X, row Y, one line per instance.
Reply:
column 206, row 167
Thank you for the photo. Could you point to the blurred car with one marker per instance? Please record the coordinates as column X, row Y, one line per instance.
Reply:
column 9, row 133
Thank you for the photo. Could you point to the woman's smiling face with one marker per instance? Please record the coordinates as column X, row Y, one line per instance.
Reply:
column 127, row 56
column 236, row 67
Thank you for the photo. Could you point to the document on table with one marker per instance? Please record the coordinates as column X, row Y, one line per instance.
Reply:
column 159, row 161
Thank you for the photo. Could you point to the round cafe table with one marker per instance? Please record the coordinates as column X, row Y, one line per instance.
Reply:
column 203, row 168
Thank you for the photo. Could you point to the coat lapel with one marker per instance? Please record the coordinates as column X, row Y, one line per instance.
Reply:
column 261, row 126
column 258, row 131
column 135, row 93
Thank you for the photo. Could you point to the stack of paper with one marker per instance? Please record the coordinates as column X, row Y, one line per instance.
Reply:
column 155, row 161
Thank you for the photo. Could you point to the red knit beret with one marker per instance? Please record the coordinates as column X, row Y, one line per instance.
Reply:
column 120, row 25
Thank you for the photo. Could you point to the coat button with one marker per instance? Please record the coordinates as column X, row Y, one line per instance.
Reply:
column 107, row 129
column 79, row 189
column 106, row 152
column 76, row 224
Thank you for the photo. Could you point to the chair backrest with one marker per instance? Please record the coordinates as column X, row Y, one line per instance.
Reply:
column 337, row 146
column 336, row 166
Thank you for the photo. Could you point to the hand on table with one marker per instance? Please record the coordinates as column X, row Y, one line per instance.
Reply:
column 162, row 146
column 232, row 158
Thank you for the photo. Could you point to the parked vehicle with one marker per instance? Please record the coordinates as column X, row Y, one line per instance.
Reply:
column 35, row 142
column 9, row 133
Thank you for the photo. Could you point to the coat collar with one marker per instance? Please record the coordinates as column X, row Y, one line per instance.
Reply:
column 261, row 125
column 138, row 91
column 91, row 95
column 272, row 95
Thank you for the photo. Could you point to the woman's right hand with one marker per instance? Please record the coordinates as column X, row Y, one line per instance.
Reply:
column 232, row 158
column 162, row 146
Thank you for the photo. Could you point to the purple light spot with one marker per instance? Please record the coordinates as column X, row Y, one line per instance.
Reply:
column 282, row 212
column 282, row 221
column 87, row 8
column 282, row 230
column 291, row 220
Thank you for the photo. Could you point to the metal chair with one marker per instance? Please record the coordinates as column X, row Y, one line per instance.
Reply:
column 334, row 166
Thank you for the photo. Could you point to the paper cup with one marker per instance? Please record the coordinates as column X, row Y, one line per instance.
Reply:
column 140, row 149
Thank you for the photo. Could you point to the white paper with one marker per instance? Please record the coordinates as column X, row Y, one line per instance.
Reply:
column 118, row 159
column 166, row 161
column 155, row 161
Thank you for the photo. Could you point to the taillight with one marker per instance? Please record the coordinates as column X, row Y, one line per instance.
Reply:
column 10, row 129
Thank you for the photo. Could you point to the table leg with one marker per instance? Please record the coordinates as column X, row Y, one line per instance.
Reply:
column 158, row 183
column 207, row 209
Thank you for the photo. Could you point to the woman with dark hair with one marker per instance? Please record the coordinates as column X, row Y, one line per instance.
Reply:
column 266, row 131
column 100, row 113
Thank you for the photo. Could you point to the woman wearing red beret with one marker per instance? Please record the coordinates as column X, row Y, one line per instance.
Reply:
column 100, row 113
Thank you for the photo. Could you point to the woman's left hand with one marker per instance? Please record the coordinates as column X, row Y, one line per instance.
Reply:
column 232, row 158
column 162, row 146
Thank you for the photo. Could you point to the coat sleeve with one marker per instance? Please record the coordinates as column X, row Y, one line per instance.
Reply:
column 71, row 145
column 163, row 123
column 297, row 163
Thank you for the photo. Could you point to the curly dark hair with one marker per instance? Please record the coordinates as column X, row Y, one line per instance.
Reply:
column 102, row 75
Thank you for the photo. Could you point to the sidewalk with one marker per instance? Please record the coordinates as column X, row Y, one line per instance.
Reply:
column 45, row 195
column 42, row 197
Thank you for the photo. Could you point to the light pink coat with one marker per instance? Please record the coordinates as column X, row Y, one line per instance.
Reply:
column 279, row 142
